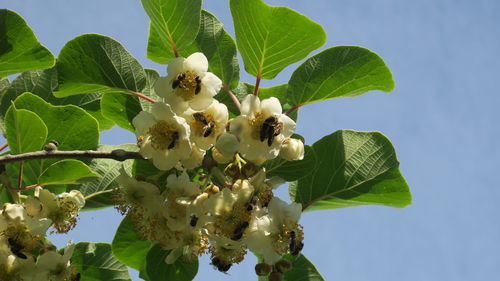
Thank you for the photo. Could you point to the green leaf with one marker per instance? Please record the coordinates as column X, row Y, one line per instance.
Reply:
column 107, row 169
column 26, row 131
column 93, row 63
column 68, row 171
column 95, row 262
column 128, row 247
column 343, row 71
column 19, row 48
column 121, row 109
column 302, row 270
column 42, row 83
column 149, row 91
column 271, row 38
column 174, row 24
column 4, row 85
column 353, row 169
column 69, row 125
column 292, row 170
column 158, row 270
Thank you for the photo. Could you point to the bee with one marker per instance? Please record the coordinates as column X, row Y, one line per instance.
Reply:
column 76, row 277
column 238, row 232
column 194, row 221
column 198, row 85
column 220, row 265
column 140, row 140
column 177, row 80
column 15, row 248
column 208, row 127
column 175, row 138
column 251, row 204
column 270, row 128
column 295, row 246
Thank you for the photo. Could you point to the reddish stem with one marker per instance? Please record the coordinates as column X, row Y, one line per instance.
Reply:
column 232, row 96
column 143, row 97
column 257, row 84
column 29, row 187
column 295, row 107
column 4, row 146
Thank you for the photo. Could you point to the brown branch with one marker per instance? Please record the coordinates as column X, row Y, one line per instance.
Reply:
column 232, row 96
column 117, row 154
column 257, row 84
column 295, row 107
column 3, row 146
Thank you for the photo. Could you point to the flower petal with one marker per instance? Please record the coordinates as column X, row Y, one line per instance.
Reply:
column 197, row 62
column 270, row 106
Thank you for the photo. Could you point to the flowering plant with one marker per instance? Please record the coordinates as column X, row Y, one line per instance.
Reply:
column 210, row 150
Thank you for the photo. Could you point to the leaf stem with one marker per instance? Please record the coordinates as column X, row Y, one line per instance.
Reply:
column 257, row 84
column 20, row 176
column 143, row 97
column 98, row 193
column 117, row 154
column 4, row 146
column 232, row 96
column 295, row 107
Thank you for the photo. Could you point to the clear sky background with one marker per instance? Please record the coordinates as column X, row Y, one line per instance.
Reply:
column 442, row 118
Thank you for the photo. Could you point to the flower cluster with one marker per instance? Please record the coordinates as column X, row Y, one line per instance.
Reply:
column 25, row 253
column 217, row 198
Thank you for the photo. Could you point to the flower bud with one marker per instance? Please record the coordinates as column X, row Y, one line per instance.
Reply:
column 219, row 158
column 262, row 269
column 292, row 149
column 227, row 144
column 283, row 266
column 276, row 276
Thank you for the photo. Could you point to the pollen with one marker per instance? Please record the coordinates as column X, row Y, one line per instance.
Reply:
column 186, row 85
column 163, row 135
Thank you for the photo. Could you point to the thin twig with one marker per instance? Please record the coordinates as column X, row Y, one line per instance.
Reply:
column 174, row 48
column 98, row 193
column 143, row 97
column 295, row 107
column 4, row 146
column 232, row 96
column 117, row 154
column 257, row 84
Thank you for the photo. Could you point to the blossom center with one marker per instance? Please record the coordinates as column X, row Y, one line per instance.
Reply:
column 265, row 128
column 186, row 85
column 203, row 124
column 163, row 135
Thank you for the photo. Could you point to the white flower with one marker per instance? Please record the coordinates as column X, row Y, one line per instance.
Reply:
column 292, row 149
column 139, row 193
column 283, row 213
column 261, row 128
column 260, row 238
column 162, row 136
column 195, row 159
column 180, row 193
column 227, row 145
column 62, row 210
column 53, row 266
column 207, row 125
column 188, row 83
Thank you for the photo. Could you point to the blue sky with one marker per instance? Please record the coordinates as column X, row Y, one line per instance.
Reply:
column 442, row 118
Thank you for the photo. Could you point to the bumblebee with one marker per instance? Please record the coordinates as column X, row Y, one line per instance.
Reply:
column 175, row 139
column 177, row 80
column 208, row 126
column 220, row 265
column 198, row 85
column 270, row 129
column 238, row 232
column 193, row 221
column 16, row 249
column 295, row 246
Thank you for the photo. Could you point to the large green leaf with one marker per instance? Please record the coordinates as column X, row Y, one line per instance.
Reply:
column 95, row 262
column 4, row 85
column 72, row 127
column 42, row 83
column 93, row 63
column 271, row 38
column 26, row 131
column 174, row 25
column 292, row 170
column 128, row 248
column 158, row 270
column 67, row 171
column 19, row 48
column 122, row 109
column 108, row 169
column 353, row 169
column 343, row 71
